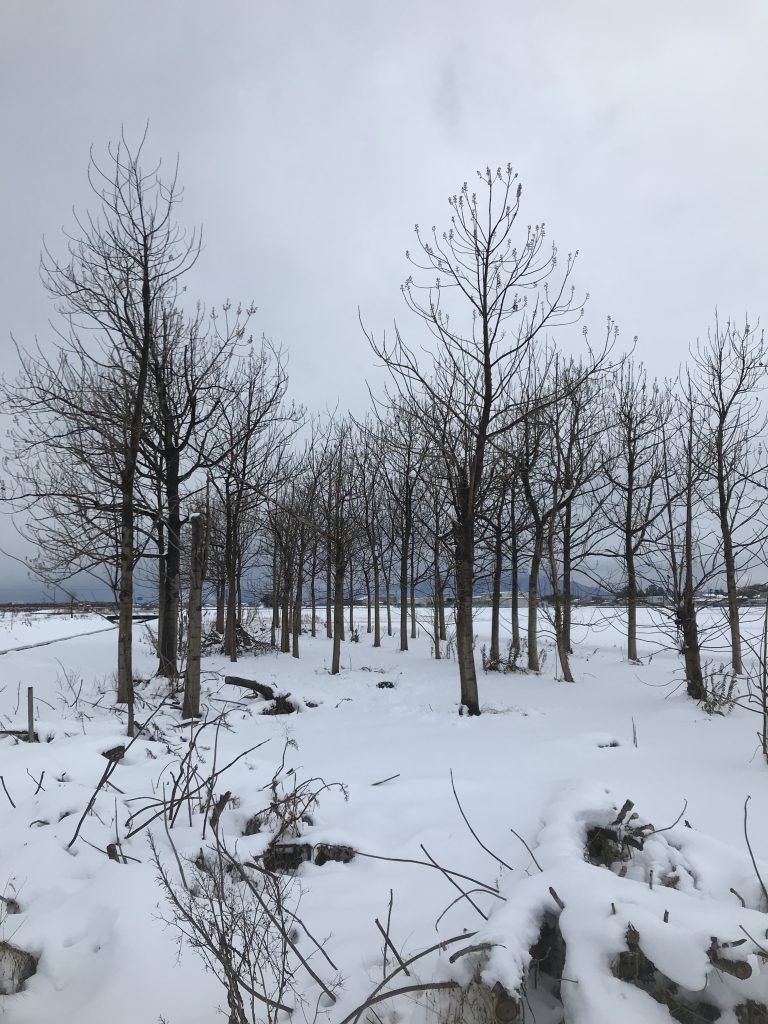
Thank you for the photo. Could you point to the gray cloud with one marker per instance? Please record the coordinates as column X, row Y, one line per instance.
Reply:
column 312, row 136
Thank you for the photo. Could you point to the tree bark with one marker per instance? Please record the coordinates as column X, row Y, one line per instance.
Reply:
column 533, row 600
column 312, row 592
column 494, row 655
column 338, row 615
column 464, row 539
column 376, row 603
column 557, row 602
column 191, row 708
column 515, row 602
column 169, row 634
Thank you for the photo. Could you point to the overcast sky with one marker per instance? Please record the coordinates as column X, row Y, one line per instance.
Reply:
column 313, row 135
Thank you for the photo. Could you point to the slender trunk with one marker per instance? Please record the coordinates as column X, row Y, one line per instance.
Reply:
column 191, row 708
column 436, row 599
column 465, row 556
column 239, row 585
column 125, row 607
column 387, row 581
column 299, row 597
column 276, row 585
column 368, row 602
column 533, row 600
column 494, row 656
column 230, row 568
column 413, row 588
column 729, row 557
column 376, row 603
column 566, row 592
column 285, row 614
column 221, row 589
column 351, row 600
column 443, row 628
column 338, row 614
column 161, row 591
column 312, row 593
column 328, row 596
column 688, row 622
column 515, row 602
column 169, row 634
column 629, row 558
column 404, row 588
column 557, row 601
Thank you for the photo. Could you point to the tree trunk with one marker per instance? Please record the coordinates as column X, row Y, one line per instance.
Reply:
column 191, row 708
column 443, row 628
column 125, row 608
column 629, row 558
column 533, row 601
column 221, row 589
column 557, row 602
column 230, row 569
column 328, row 596
column 566, row 596
column 515, row 602
column 297, row 602
column 285, row 613
column 494, row 655
column 729, row 560
column 688, row 623
column 312, row 593
column 161, row 591
column 351, row 600
column 276, row 585
column 404, row 591
column 169, row 634
column 436, row 599
column 465, row 557
column 376, row 603
column 338, row 616
column 387, row 584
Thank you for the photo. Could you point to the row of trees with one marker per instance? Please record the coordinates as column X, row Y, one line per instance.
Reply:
column 491, row 453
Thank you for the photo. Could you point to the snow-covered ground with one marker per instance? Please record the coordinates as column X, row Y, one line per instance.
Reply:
column 546, row 759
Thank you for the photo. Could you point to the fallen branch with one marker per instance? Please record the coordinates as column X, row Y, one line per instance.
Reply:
column 250, row 684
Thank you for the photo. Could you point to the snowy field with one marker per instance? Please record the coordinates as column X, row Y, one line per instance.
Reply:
column 546, row 758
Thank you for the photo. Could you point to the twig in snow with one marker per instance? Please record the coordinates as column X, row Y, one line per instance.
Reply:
column 530, row 851
column 658, row 831
column 5, row 790
column 483, row 886
column 388, row 779
column 762, row 949
column 480, row 947
column 377, row 995
column 389, row 944
column 751, row 854
column 738, row 897
column 477, row 839
column 40, row 783
column 454, row 883
column 556, row 898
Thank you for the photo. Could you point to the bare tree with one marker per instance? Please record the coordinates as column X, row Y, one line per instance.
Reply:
column 464, row 396
column 121, row 269
column 633, row 466
column 252, row 429
column 189, row 363
column 728, row 372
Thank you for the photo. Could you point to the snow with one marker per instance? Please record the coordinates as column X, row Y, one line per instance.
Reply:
column 547, row 759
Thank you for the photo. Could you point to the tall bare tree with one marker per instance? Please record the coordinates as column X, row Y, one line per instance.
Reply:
column 489, row 302
column 729, row 373
column 121, row 268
